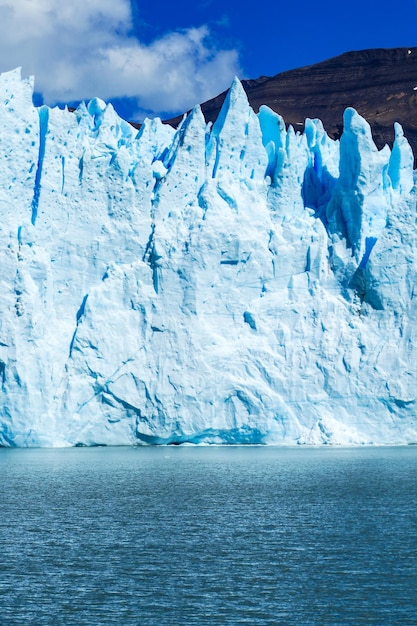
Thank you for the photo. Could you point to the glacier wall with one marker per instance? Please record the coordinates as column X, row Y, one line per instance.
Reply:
column 240, row 283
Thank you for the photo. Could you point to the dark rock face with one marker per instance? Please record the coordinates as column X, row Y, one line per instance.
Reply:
column 381, row 84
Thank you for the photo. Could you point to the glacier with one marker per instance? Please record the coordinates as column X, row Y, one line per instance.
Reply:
column 238, row 283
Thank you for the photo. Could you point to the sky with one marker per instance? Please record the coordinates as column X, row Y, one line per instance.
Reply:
column 152, row 58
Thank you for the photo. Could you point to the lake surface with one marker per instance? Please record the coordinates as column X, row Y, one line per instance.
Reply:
column 219, row 536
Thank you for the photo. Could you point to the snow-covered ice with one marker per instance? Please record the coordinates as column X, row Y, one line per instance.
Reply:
column 240, row 283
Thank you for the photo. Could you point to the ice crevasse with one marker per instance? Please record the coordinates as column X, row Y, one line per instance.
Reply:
column 235, row 283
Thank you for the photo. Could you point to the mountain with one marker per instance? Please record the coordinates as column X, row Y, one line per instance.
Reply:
column 240, row 283
column 381, row 84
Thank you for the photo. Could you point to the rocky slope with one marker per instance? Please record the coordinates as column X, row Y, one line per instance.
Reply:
column 381, row 84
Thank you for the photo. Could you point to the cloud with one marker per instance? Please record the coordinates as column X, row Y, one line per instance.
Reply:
column 86, row 48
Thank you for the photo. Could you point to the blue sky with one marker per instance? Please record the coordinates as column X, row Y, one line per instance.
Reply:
column 160, row 58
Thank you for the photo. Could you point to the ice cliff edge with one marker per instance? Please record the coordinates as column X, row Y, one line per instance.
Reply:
column 240, row 283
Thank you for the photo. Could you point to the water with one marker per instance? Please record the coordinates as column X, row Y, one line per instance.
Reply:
column 210, row 536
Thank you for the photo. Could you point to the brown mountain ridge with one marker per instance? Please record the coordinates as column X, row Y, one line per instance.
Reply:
column 381, row 84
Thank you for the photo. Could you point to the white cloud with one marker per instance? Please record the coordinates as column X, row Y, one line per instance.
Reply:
column 85, row 48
